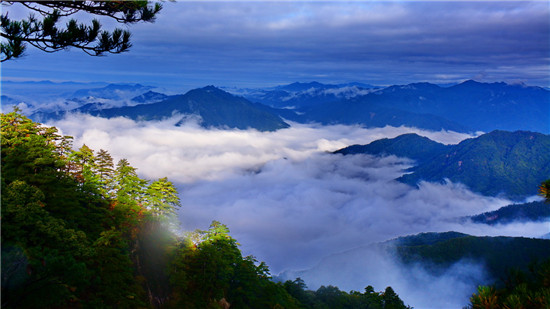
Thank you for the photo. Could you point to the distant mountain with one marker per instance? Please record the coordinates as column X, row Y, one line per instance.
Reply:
column 358, row 112
column 466, row 107
column 149, row 97
column 8, row 103
column 215, row 107
column 534, row 211
column 479, row 106
column 412, row 146
column 297, row 87
column 298, row 95
column 513, row 163
column 113, row 92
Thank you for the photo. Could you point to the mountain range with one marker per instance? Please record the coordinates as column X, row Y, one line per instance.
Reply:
column 466, row 107
column 499, row 162
column 216, row 108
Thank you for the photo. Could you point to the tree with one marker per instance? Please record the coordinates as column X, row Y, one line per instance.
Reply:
column 544, row 190
column 48, row 36
column 162, row 198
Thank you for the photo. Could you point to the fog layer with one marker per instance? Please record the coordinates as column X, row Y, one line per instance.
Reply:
column 291, row 203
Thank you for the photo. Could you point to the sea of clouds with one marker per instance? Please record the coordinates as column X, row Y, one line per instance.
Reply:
column 293, row 204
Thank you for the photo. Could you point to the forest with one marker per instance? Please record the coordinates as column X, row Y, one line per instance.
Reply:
column 79, row 231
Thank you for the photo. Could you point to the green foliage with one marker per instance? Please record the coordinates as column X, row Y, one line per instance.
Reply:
column 162, row 198
column 329, row 297
column 544, row 190
column 513, row 163
column 523, row 290
column 211, row 271
column 534, row 211
column 48, row 36
column 70, row 223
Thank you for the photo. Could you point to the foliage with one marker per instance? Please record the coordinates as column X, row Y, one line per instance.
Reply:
column 331, row 297
column 521, row 290
column 70, row 222
column 544, row 190
column 512, row 163
column 534, row 211
column 210, row 270
column 48, row 36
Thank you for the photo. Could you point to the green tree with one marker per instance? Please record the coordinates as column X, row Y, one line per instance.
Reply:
column 130, row 189
column 47, row 35
column 211, row 272
column 161, row 198
column 544, row 190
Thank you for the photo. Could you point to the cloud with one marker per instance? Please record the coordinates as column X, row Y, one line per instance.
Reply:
column 291, row 203
column 223, row 43
column 356, row 269
column 190, row 153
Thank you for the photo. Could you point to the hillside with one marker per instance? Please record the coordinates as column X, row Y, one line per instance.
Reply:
column 216, row 108
column 410, row 146
column 357, row 111
column 512, row 163
column 534, row 211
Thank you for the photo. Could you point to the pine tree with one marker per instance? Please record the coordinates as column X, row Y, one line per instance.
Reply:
column 46, row 35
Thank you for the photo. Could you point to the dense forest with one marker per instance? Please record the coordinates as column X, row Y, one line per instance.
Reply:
column 79, row 231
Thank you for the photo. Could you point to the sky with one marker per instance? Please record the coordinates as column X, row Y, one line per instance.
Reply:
column 259, row 43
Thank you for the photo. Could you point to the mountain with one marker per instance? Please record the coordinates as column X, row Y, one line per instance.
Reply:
column 149, row 97
column 412, row 146
column 358, row 112
column 513, row 163
column 479, row 106
column 298, row 95
column 215, row 107
column 466, row 107
column 534, row 211
column 113, row 92
column 297, row 87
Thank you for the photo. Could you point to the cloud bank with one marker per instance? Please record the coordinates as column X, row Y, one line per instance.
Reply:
column 289, row 201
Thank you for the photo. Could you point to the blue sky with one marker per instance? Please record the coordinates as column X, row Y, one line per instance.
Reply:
column 254, row 44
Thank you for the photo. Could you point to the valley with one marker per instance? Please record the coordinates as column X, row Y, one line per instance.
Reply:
column 328, row 174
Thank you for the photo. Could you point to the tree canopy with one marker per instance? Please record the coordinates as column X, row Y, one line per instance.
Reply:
column 48, row 35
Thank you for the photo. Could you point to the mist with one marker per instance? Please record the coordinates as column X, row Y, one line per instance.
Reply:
column 291, row 203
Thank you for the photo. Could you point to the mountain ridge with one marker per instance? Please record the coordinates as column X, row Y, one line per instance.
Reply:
column 513, row 163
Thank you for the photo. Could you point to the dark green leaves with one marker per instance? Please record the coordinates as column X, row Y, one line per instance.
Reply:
column 47, row 35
